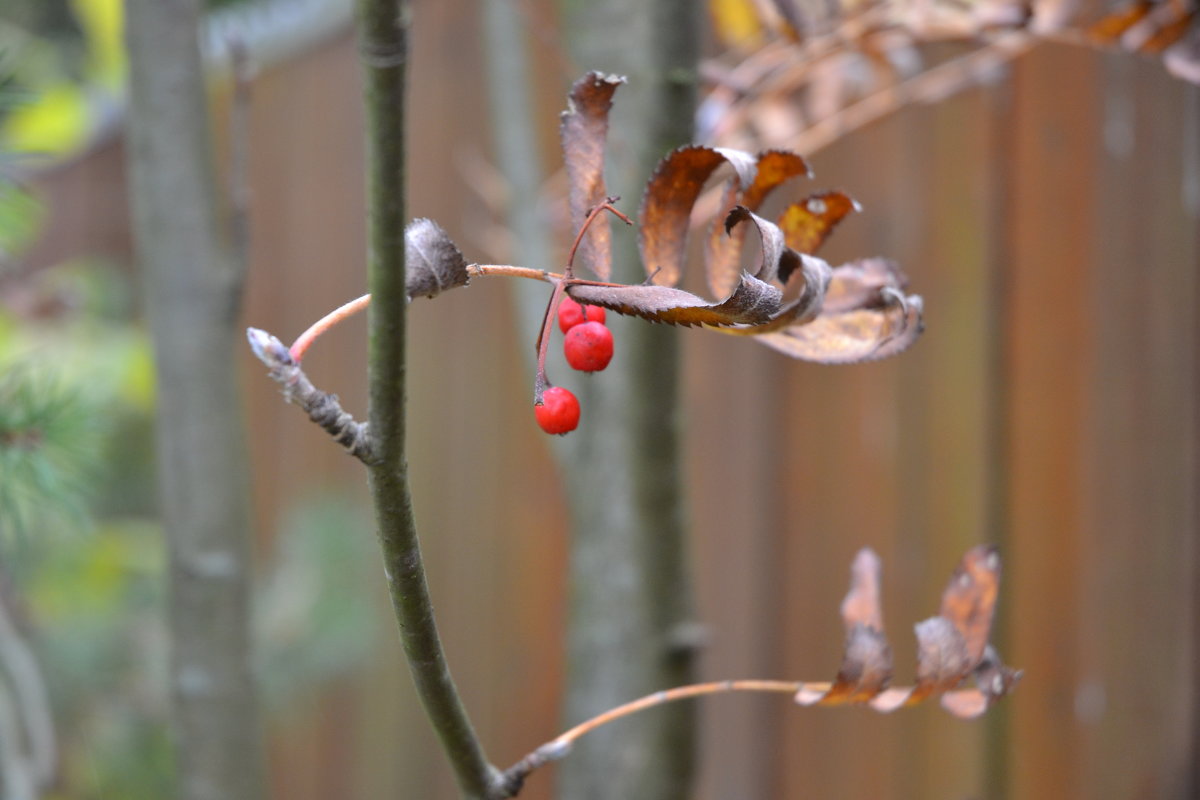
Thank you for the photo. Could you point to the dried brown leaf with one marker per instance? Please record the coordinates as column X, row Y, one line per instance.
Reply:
column 945, row 645
column 854, row 336
column 942, row 663
column 753, row 302
column 807, row 224
column 668, row 200
column 969, row 601
column 866, row 667
column 776, row 257
column 860, row 284
column 942, row 657
column 774, row 167
column 583, row 130
column 434, row 263
column 804, row 308
column 862, row 606
column 993, row 680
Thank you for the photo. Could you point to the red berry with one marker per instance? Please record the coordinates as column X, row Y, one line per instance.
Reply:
column 571, row 313
column 559, row 411
column 589, row 346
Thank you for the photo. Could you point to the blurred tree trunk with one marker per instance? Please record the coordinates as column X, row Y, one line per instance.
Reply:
column 192, row 290
column 629, row 629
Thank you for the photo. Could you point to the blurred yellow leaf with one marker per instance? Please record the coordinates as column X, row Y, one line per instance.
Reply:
column 102, row 22
column 736, row 22
column 55, row 123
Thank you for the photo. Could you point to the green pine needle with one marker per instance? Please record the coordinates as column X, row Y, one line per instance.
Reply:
column 48, row 450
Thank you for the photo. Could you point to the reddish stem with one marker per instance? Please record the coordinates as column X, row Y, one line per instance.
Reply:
column 305, row 340
column 540, row 382
column 607, row 205
column 322, row 326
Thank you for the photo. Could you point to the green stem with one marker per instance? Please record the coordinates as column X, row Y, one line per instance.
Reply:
column 384, row 43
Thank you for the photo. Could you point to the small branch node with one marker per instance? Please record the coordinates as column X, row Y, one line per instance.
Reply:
column 322, row 408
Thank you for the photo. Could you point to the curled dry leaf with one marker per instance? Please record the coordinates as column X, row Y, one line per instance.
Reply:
column 777, row 258
column 841, row 315
column 951, row 647
column 860, row 284
column 862, row 605
column 852, row 337
column 807, row 224
column 722, row 256
column 668, row 200
column 753, row 302
column 583, row 130
column 434, row 263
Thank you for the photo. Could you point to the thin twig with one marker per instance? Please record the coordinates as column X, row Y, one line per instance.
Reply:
column 322, row 408
column 305, row 340
column 343, row 312
column 514, row 776
column 483, row 270
column 607, row 205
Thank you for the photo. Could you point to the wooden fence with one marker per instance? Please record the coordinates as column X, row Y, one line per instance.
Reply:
column 1050, row 222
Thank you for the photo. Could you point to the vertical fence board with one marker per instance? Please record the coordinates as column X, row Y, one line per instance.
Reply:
column 1049, row 332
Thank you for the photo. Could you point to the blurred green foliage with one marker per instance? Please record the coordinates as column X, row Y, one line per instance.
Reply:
column 82, row 559
column 46, row 433
column 81, row 550
column 65, row 61
column 314, row 616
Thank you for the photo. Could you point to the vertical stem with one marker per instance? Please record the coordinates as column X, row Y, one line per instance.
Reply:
column 384, row 43
column 631, row 599
column 192, row 288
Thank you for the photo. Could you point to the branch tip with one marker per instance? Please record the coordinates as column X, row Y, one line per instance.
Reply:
column 268, row 349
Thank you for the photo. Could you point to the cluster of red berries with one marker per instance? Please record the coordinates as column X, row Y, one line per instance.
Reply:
column 588, row 347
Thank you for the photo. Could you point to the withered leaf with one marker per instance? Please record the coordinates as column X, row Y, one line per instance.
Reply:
column 667, row 205
column 434, row 264
column 993, row 680
column 859, row 284
column 583, row 130
column 953, row 644
column 866, row 667
column 807, row 224
column 774, row 167
column 777, row 257
column 854, row 336
column 942, row 663
column 861, row 605
column 945, row 645
column 753, row 302
column 969, row 601
column 942, row 657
